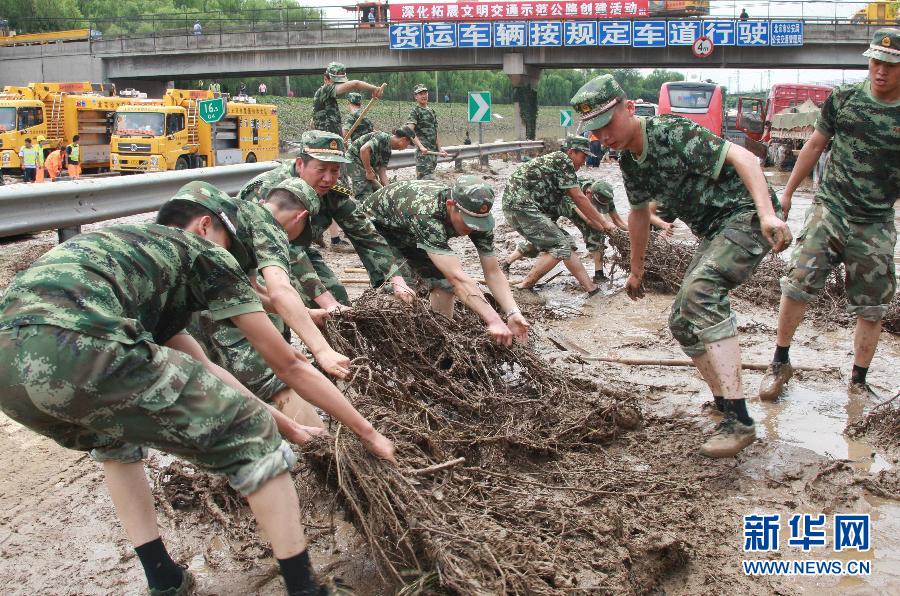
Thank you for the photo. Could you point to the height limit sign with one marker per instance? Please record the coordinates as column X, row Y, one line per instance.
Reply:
column 479, row 106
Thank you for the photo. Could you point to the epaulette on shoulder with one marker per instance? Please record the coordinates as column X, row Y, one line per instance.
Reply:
column 342, row 190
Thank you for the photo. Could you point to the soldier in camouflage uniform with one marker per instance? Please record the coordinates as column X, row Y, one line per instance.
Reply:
column 851, row 219
column 354, row 102
column 423, row 120
column 318, row 163
column 369, row 156
column 86, row 362
column 533, row 201
column 326, row 113
column 418, row 218
column 720, row 192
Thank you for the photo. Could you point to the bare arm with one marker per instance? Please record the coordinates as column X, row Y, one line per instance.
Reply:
column 607, row 224
column 290, row 366
column 747, row 167
column 290, row 307
column 382, row 175
column 471, row 296
column 620, row 223
column 499, row 286
column 638, row 235
column 588, row 213
column 365, row 156
column 348, row 86
column 806, row 161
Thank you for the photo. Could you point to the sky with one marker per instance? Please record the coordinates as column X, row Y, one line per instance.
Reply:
column 737, row 80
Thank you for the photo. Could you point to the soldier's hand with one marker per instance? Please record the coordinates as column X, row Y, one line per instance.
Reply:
column 403, row 292
column 634, row 286
column 443, row 153
column 776, row 232
column 299, row 434
column 379, row 91
column 786, row 200
column 334, row 363
column 500, row 333
column 519, row 326
column 319, row 316
column 371, row 177
column 668, row 229
column 379, row 446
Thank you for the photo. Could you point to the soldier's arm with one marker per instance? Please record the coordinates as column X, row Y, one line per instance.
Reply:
column 588, row 212
column 290, row 366
column 638, row 235
column 620, row 223
column 607, row 223
column 747, row 166
column 468, row 292
column 348, row 86
column 365, row 156
column 290, row 430
column 290, row 307
column 806, row 162
column 498, row 284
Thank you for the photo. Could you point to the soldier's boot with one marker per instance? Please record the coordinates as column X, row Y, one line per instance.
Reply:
column 730, row 437
column 504, row 266
column 860, row 390
column 774, row 380
column 185, row 589
column 715, row 408
column 599, row 276
column 338, row 244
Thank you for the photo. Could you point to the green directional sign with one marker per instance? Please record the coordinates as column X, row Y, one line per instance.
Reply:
column 211, row 110
column 479, row 106
column 565, row 118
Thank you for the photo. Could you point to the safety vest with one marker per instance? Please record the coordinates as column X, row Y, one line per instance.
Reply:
column 74, row 152
column 30, row 156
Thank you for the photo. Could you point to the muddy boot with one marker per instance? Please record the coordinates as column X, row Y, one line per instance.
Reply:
column 504, row 267
column 731, row 436
column 320, row 240
column 600, row 277
column 773, row 381
column 860, row 390
column 186, row 587
column 341, row 245
column 715, row 408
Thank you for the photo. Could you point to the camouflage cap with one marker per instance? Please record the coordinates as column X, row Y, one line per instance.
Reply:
column 595, row 101
column 405, row 131
column 337, row 72
column 354, row 98
column 306, row 195
column 585, row 183
column 474, row 198
column 226, row 209
column 323, row 145
column 602, row 188
column 885, row 45
column 578, row 144
column 419, row 88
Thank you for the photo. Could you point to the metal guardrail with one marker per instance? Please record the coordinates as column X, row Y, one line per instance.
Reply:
column 26, row 208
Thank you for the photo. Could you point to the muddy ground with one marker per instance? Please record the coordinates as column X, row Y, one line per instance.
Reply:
column 58, row 533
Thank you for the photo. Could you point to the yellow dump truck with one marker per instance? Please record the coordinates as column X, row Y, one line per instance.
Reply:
column 172, row 136
column 876, row 13
column 58, row 111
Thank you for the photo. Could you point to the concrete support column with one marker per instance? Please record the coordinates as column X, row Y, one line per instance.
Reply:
column 287, row 85
column 524, row 80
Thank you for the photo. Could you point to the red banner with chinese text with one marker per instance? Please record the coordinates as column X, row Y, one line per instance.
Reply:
column 518, row 11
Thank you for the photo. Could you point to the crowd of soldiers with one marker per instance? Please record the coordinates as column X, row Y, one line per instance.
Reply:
column 176, row 335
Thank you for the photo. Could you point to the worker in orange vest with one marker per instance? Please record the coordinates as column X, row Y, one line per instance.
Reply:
column 54, row 162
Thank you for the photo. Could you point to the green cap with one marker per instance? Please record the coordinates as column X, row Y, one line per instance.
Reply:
column 885, row 45
column 306, row 195
column 595, row 101
column 474, row 198
column 405, row 131
column 354, row 98
column 602, row 188
column 585, row 183
column 419, row 88
column 578, row 144
column 337, row 72
column 323, row 145
column 226, row 209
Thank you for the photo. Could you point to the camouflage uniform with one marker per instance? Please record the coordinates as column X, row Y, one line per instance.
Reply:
column 533, row 200
column 310, row 275
column 380, row 144
column 425, row 121
column 365, row 125
column 683, row 169
column 326, row 113
column 412, row 217
column 83, row 365
column 851, row 220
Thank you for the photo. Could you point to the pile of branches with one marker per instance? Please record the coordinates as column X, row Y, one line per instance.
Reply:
column 515, row 477
column 882, row 424
column 667, row 262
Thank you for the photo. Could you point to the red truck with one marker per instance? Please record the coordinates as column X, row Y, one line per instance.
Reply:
column 778, row 126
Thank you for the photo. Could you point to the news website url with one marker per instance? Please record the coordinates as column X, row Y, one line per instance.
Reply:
column 808, row 567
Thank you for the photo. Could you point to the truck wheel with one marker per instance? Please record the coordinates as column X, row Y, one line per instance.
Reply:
column 251, row 158
column 182, row 163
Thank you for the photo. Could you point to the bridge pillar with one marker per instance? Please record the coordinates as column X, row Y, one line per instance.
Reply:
column 524, row 80
column 152, row 88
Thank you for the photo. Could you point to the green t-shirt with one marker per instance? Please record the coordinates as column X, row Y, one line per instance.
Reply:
column 862, row 178
column 542, row 183
column 414, row 214
column 380, row 143
column 130, row 284
column 683, row 169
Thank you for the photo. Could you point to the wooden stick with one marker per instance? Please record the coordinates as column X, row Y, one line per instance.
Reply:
column 676, row 362
column 354, row 281
column 354, row 270
column 362, row 114
column 437, row 467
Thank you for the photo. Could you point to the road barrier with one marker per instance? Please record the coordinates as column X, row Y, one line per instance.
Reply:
column 64, row 206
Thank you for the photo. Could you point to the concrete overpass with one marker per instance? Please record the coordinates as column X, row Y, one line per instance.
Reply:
column 138, row 61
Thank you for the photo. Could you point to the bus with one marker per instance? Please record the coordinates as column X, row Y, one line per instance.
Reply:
column 700, row 102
